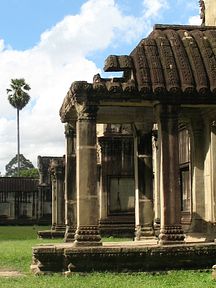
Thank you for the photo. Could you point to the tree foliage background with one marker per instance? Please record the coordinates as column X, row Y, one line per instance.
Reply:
column 27, row 169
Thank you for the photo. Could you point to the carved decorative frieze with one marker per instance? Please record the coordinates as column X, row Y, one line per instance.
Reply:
column 129, row 87
column 113, row 86
column 99, row 84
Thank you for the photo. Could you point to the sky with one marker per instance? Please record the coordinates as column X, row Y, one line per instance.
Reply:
column 51, row 43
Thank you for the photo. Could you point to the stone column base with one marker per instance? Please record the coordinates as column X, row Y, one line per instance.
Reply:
column 53, row 226
column 172, row 234
column 69, row 234
column 87, row 236
column 60, row 228
column 144, row 233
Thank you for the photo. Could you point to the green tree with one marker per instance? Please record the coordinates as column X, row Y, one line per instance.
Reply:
column 26, row 167
column 32, row 172
column 18, row 98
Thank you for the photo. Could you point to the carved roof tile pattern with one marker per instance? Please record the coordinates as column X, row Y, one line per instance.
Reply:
column 177, row 59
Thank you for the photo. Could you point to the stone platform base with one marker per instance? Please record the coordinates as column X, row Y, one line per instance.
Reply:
column 50, row 234
column 122, row 257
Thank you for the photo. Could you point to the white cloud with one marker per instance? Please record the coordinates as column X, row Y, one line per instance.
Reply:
column 153, row 7
column 53, row 64
column 194, row 20
column 1, row 45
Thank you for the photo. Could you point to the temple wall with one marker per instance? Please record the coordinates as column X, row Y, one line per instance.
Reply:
column 210, row 12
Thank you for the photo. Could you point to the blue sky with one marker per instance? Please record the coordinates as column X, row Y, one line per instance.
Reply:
column 52, row 43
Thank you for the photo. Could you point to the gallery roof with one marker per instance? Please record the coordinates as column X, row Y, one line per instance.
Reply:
column 172, row 59
column 174, row 64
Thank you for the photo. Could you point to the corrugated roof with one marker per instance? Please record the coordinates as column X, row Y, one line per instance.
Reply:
column 18, row 184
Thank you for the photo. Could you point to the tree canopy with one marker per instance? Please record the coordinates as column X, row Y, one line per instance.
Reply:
column 27, row 169
column 17, row 95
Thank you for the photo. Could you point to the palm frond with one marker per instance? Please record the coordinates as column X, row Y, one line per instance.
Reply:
column 17, row 95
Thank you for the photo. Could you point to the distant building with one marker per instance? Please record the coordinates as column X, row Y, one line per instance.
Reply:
column 24, row 201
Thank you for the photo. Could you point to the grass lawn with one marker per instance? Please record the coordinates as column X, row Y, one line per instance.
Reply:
column 15, row 253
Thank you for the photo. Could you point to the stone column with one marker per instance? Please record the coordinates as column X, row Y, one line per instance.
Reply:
column 198, row 187
column 144, row 219
column 54, row 208
column 103, row 210
column 156, row 172
column 87, row 233
column 171, row 230
column 70, row 183
column 213, row 169
column 57, row 170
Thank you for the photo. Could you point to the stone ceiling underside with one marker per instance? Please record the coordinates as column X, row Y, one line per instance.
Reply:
column 174, row 64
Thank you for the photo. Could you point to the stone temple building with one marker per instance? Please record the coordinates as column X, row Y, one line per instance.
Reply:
column 24, row 201
column 157, row 151
column 28, row 201
column 141, row 157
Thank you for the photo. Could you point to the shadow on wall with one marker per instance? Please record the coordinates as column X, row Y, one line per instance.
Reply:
column 199, row 225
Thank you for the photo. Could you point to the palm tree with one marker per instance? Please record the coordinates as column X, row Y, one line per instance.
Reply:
column 18, row 98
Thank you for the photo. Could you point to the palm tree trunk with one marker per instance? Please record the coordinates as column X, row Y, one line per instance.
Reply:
column 18, row 143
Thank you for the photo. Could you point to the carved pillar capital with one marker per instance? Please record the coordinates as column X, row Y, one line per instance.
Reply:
column 57, row 168
column 84, row 101
column 70, row 130
column 87, row 111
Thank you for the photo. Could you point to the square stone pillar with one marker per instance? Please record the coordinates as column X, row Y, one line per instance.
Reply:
column 87, row 233
column 144, row 179
column 57, row 168
column 171, row 230
column 198, row 188
column 54, row 196
column 70, row 183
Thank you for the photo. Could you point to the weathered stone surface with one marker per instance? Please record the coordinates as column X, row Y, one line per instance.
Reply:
column 123, row 258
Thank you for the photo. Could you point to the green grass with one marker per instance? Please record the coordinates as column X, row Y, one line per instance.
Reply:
column 15, row 253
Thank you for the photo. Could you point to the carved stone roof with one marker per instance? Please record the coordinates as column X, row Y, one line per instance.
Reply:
column 173, row 59
column 174, row 64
